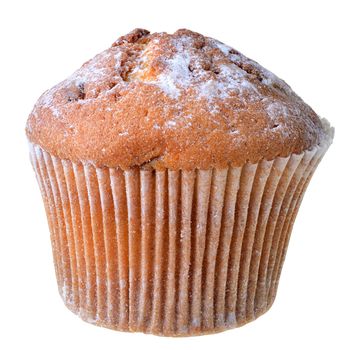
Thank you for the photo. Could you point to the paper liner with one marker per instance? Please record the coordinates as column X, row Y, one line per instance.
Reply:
column 171, row 252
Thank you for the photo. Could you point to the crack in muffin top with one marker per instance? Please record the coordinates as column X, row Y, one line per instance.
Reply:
column 177, row 101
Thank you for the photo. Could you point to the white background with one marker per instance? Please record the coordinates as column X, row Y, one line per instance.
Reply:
column 304, row 42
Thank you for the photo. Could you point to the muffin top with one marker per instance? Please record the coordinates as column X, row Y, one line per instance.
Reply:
column 178, row 101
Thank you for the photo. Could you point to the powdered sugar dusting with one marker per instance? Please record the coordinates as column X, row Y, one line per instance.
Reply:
column 276, row 108
column 184, row 70
column 230, row 79
column 93, row 74
column 210, row 75
column 221, row 46
column 170, row 123
column 267, row 77
column 176, row 75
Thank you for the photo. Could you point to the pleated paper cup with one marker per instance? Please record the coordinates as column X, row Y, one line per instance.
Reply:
column 171, row 252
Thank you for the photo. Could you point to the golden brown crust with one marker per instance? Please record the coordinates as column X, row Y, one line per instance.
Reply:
column 178, row 101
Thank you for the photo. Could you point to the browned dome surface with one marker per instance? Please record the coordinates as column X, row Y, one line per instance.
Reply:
column 178, row 101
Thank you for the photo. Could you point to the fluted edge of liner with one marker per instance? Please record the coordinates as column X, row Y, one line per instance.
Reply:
column 171, row 252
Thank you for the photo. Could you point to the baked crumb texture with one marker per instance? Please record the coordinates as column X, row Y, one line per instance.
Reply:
column 172, row 101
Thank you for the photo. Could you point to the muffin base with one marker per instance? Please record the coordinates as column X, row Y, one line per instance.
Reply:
column 171, row 252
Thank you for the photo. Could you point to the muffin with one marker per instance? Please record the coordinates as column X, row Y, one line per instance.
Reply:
column 172, row 168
